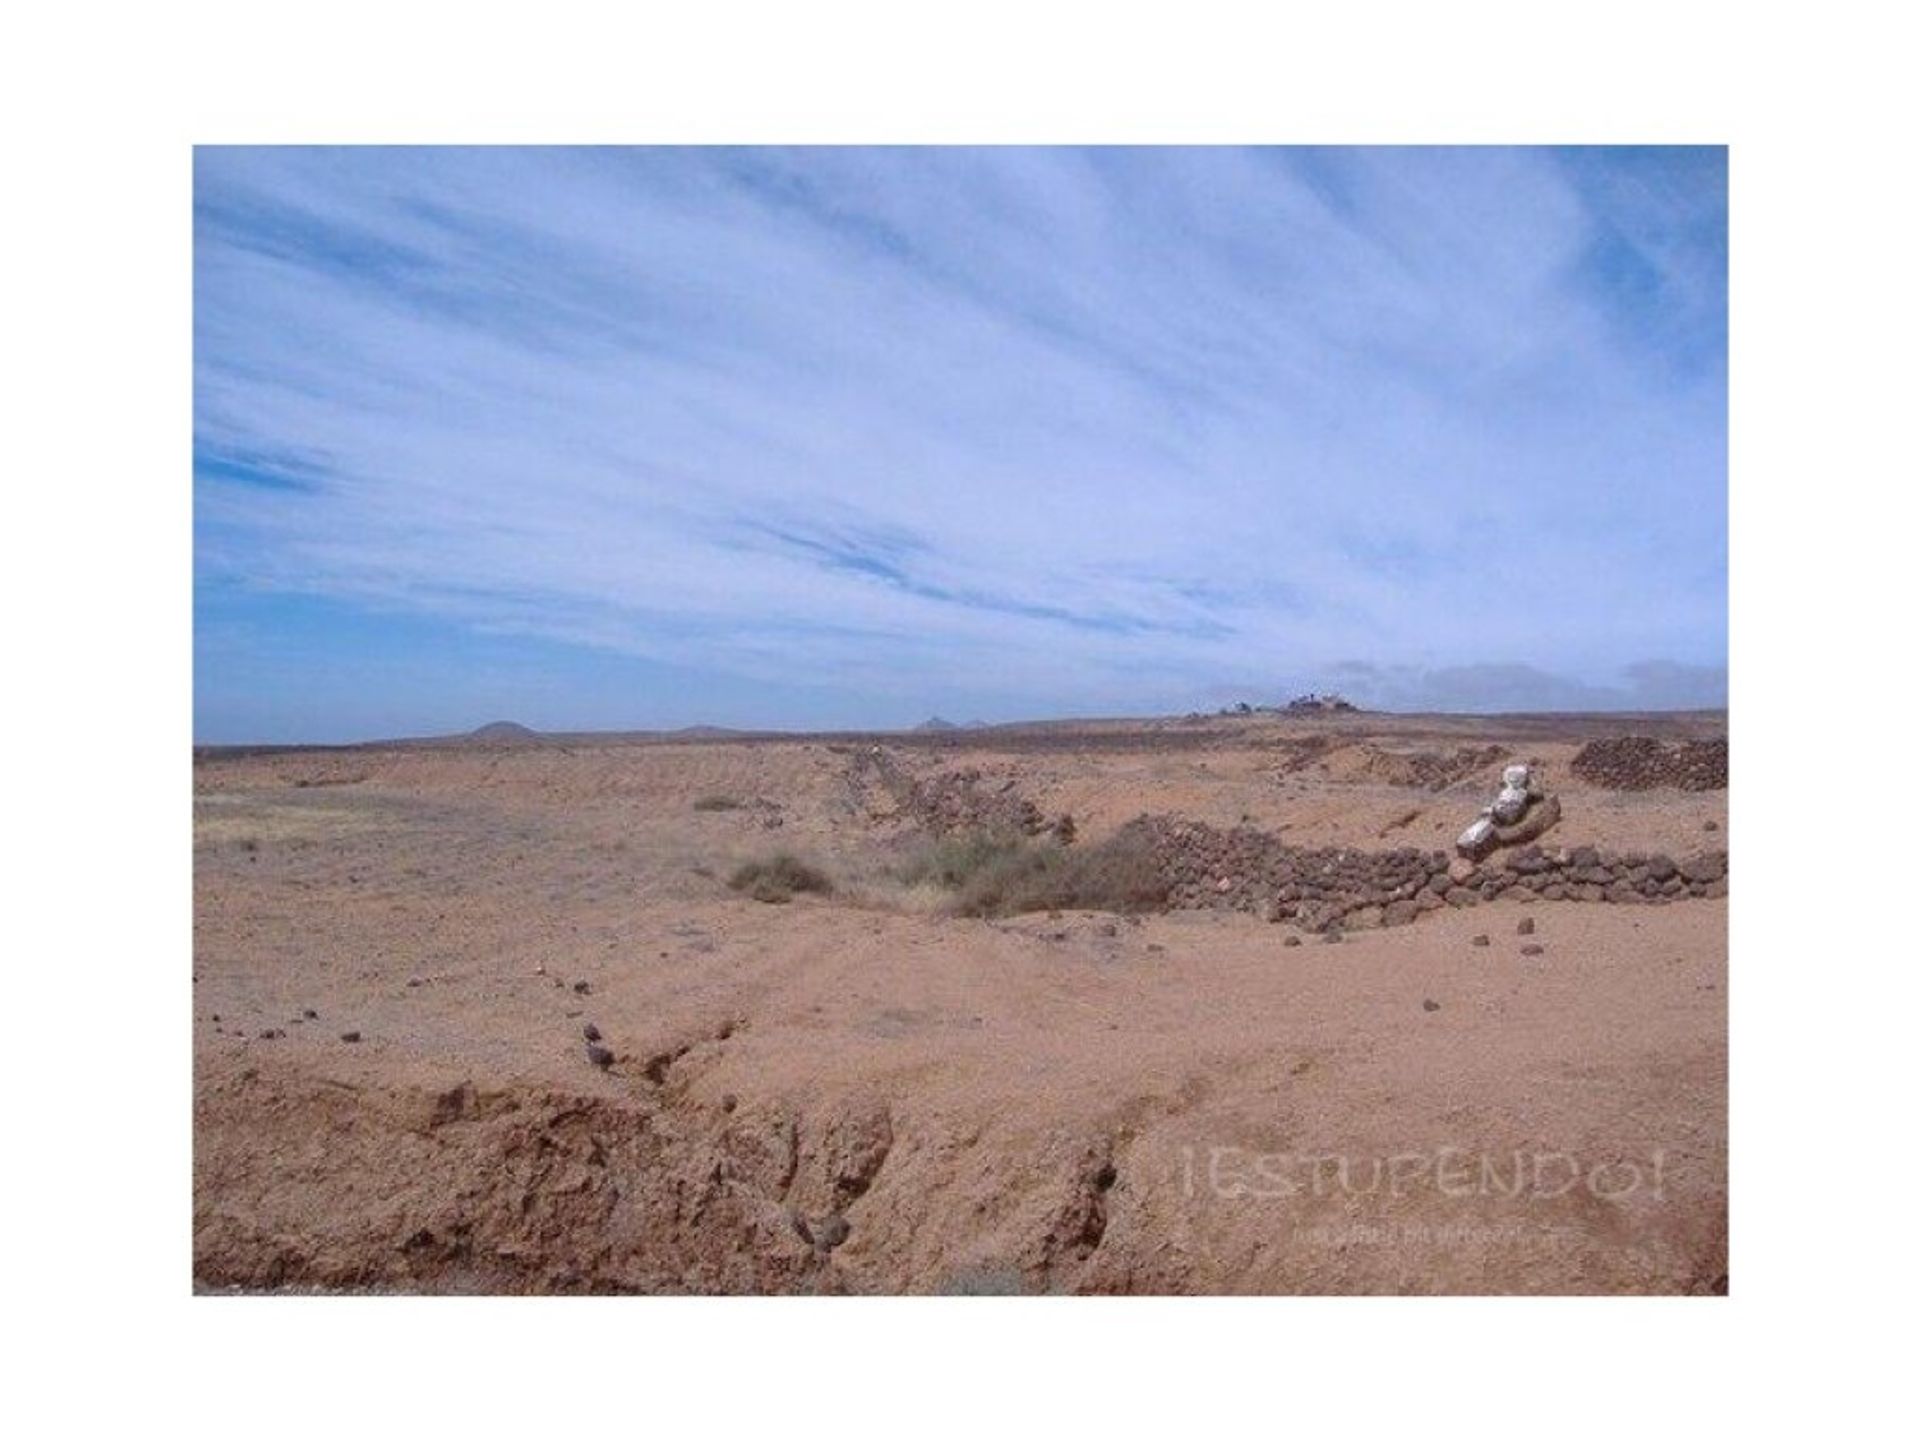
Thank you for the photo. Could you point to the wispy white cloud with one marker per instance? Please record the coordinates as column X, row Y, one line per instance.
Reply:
column 1061, row 430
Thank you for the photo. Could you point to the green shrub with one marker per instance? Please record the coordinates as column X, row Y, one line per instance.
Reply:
column 778, row 880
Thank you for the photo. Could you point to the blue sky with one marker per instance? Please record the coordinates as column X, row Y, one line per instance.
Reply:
column 849, row 437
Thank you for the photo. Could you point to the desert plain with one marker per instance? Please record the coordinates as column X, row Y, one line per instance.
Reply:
column 1217, row 1075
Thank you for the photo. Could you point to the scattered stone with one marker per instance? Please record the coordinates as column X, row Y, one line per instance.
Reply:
column 729, row 1102
column 273, row 1034
column 1430, row 1005
column 1333, row 937
column 1483, row 940
column 350, row 1037
column 591, row 1031
column 1291, row 941
column 310, row 1014
column 1711, row 825
column 600, row 1055
column 581, row 987
column 832, row 1231
column 1525, row 927
column 1533, row 949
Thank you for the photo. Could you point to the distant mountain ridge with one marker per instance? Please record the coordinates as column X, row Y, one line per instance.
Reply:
column 504, row 732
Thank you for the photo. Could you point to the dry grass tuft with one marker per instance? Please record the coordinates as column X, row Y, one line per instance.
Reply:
column 777, row 880
column 999, row 872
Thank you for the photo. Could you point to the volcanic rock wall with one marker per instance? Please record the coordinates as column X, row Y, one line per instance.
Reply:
column 1639, row 762
column 1321, row 889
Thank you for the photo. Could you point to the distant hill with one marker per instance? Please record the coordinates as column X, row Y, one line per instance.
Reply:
column 504, row 732
column 934, row 725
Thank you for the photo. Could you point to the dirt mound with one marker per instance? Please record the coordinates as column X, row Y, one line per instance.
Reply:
column 1640, row 762
column 1429, row 769
column 525, row 1191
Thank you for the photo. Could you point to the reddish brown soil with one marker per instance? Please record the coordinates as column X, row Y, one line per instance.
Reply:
column 857, row 1093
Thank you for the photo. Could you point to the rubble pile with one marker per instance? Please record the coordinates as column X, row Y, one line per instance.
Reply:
column 965, row 800
column 956, row 800
column 1323, row 889
column 1640, row 762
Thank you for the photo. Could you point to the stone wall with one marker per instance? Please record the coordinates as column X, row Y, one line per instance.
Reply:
column 1639, row 762
column 1319, row 889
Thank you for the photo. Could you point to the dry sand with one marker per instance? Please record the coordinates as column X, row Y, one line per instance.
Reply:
column 860, row 1094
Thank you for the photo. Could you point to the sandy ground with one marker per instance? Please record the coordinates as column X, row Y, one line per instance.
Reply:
column 859, row 1094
